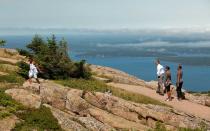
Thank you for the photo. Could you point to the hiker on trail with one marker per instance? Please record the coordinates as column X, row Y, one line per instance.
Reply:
column 168, row 83
column 33, row 72
column 179, row 82
column 160, row 76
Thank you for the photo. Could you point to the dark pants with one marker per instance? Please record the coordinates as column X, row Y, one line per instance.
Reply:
column 179, row 89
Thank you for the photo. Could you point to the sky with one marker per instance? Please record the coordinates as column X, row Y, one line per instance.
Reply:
column 104, row 14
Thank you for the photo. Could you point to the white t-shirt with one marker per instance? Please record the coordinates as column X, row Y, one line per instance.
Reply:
column 160, row 70
column 33, row 69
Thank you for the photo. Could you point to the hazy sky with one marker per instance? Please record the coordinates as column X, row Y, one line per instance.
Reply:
column 100, row 14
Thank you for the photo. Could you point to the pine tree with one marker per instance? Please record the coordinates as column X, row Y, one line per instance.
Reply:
column 2, row 42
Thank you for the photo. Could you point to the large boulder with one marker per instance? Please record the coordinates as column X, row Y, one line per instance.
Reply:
column 25, row 97
column 54, row 94
column 115, row 121
column 8, row 123
column 75, row 103
column 65, row 120
column 92, row 124
column 34, row 87
column 68, row 121
column 111, row 104
column 115, row 75
column 207, row 102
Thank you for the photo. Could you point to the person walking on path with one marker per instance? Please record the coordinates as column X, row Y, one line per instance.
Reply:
column 168, row 83
column 179, row 82
column 33, row 72
column 160, row 76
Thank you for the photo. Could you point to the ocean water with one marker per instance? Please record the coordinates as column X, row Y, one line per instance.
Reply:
column 135, row 53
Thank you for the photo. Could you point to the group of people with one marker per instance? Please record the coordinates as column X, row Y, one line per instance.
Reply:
column 165, row 82
column 163, row 74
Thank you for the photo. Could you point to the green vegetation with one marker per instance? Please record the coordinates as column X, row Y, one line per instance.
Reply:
column 12, row 78
column 2, row 42
column 40, row 119
column 10, row 74
column 24, row 68
column 188, row 129
column 160, row 127
column 200, row 93
column 98, row 86
column 8, row 105
column 53, row 59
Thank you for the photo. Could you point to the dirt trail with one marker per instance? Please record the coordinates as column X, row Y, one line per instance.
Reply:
column 184, row 105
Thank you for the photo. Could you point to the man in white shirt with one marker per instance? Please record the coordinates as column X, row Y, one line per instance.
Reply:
column 160, row 75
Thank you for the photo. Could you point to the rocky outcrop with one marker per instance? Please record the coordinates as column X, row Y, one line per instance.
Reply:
column 76, row 104
column 207, row 102
column 25, row 97
column 68, row 121
column 65, row 120
column 8, row 123
column 115, row 121
column 53, row 94
column 82, row 110
column 116, row 75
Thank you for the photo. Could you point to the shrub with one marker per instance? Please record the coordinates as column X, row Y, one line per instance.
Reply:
column 40, row 119
column 2, row 42
column 9, row 104
column 11, row 78
column 24, row 68
column 24, row 52
column 160, row 127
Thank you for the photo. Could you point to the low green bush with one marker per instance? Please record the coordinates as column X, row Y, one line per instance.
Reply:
column 9, row 105
column 40, row 119
column 11, row 78
column 24, row 68
column 160, row 127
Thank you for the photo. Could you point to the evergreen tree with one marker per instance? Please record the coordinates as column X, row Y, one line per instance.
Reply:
column 53, row 58
column 2, row 42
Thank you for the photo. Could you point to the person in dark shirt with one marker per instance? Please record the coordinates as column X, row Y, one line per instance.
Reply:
column 168, row 83
column 179, row 82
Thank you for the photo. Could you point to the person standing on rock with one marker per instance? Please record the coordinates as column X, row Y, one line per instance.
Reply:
column 33, row 72
column 179, row 82
column 168, row 83
column 160, row 76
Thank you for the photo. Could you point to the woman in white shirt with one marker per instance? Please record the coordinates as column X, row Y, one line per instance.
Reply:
column 33, row 72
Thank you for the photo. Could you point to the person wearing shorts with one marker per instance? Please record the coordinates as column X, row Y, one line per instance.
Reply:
column 168, row 83
column 33, row 72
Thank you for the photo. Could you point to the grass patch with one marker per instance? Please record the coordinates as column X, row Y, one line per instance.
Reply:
column 189, row 129
column 200, row 93
column 8, row 68
column 12, row 78
column 8, row 105
column 39, row 119
column 98, row 86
